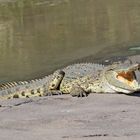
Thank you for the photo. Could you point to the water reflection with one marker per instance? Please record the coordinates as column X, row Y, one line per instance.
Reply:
column 39, row 36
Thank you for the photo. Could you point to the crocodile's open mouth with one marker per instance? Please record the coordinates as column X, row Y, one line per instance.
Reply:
column 123, row 79
column 126, row 77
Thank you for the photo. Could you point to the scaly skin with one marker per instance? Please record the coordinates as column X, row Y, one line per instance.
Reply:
column 113, row 79
column 77, row 80
column 40, row 87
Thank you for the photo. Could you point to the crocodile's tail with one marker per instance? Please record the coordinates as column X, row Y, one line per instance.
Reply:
column 24, row 89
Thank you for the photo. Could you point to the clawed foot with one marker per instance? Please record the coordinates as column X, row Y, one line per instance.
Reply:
column 77, row 91
column 83, row 94
column 53, row 92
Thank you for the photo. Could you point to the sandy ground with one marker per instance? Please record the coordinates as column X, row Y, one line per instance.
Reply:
column 98, row 116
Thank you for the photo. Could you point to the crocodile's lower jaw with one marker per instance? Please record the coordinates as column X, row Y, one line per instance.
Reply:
column 116, row 89
column 134, row 86
column 121, row 90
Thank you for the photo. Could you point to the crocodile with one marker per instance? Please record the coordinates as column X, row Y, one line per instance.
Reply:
column 78, row 80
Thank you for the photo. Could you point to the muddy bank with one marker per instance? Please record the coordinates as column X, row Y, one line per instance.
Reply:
column 99, row 116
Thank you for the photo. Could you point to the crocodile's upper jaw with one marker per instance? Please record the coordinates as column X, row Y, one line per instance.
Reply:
column 123, row 79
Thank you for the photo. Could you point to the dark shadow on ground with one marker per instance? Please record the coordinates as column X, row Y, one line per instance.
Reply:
column 137, row 94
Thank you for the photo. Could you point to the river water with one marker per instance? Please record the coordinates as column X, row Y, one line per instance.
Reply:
column 39, row 36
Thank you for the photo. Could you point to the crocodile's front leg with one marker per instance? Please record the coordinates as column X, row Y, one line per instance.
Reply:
column 77, row 91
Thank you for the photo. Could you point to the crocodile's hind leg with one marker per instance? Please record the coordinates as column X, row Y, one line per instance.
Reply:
column 54, row 85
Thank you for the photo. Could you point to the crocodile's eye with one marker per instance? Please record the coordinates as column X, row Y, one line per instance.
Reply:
column 126, row 77
column 58, row 77
column 53, row 85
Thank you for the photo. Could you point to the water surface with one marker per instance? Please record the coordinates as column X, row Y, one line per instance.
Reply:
column 39, row 36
